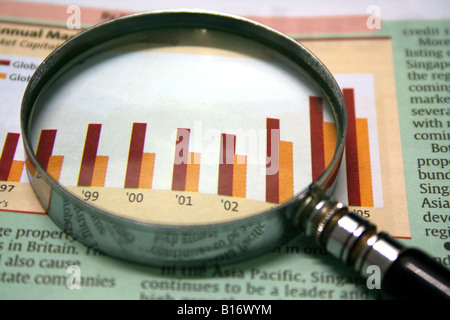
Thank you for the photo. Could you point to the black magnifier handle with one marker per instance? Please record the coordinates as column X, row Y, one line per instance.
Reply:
column 414, row 274
column 399, row 272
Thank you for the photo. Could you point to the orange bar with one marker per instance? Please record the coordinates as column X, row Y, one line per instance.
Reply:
column 239, row 176
column 329, row 137
column 364, row 168
column 16, row 171
column 286, row 170
column 147, row 168
column 2, row 75
column 54, row 166
column 99, row 174
column 30, row 167
column 193, row 172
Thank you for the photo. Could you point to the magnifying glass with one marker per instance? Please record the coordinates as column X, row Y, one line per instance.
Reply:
column 197, row 137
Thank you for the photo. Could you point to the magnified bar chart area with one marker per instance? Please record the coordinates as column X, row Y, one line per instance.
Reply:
column 275, row 171
column 189, row 147
column 359, row 176
column 358, row 165
column 175, row 137
column 173, row 143
column 364, row 173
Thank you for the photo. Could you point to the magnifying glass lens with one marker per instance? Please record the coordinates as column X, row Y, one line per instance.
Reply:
column 183, row 127
column 182, row 136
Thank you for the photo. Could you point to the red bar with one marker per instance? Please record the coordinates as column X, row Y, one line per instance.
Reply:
column 227, row 152
column 4, row 62
column 89, row 154
column 135, row 155
column 272, row 160
column 45, row 147
column 317, row 138
column 6, row 159
column 351, row 152
column 181, row 159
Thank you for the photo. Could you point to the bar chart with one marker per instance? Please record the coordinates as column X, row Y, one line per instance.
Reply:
column 16, row 195
column 144, row 166
column 357, row 150
column 157, row 152
column 140, row 166
column 10, row 169
column 359, row 176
